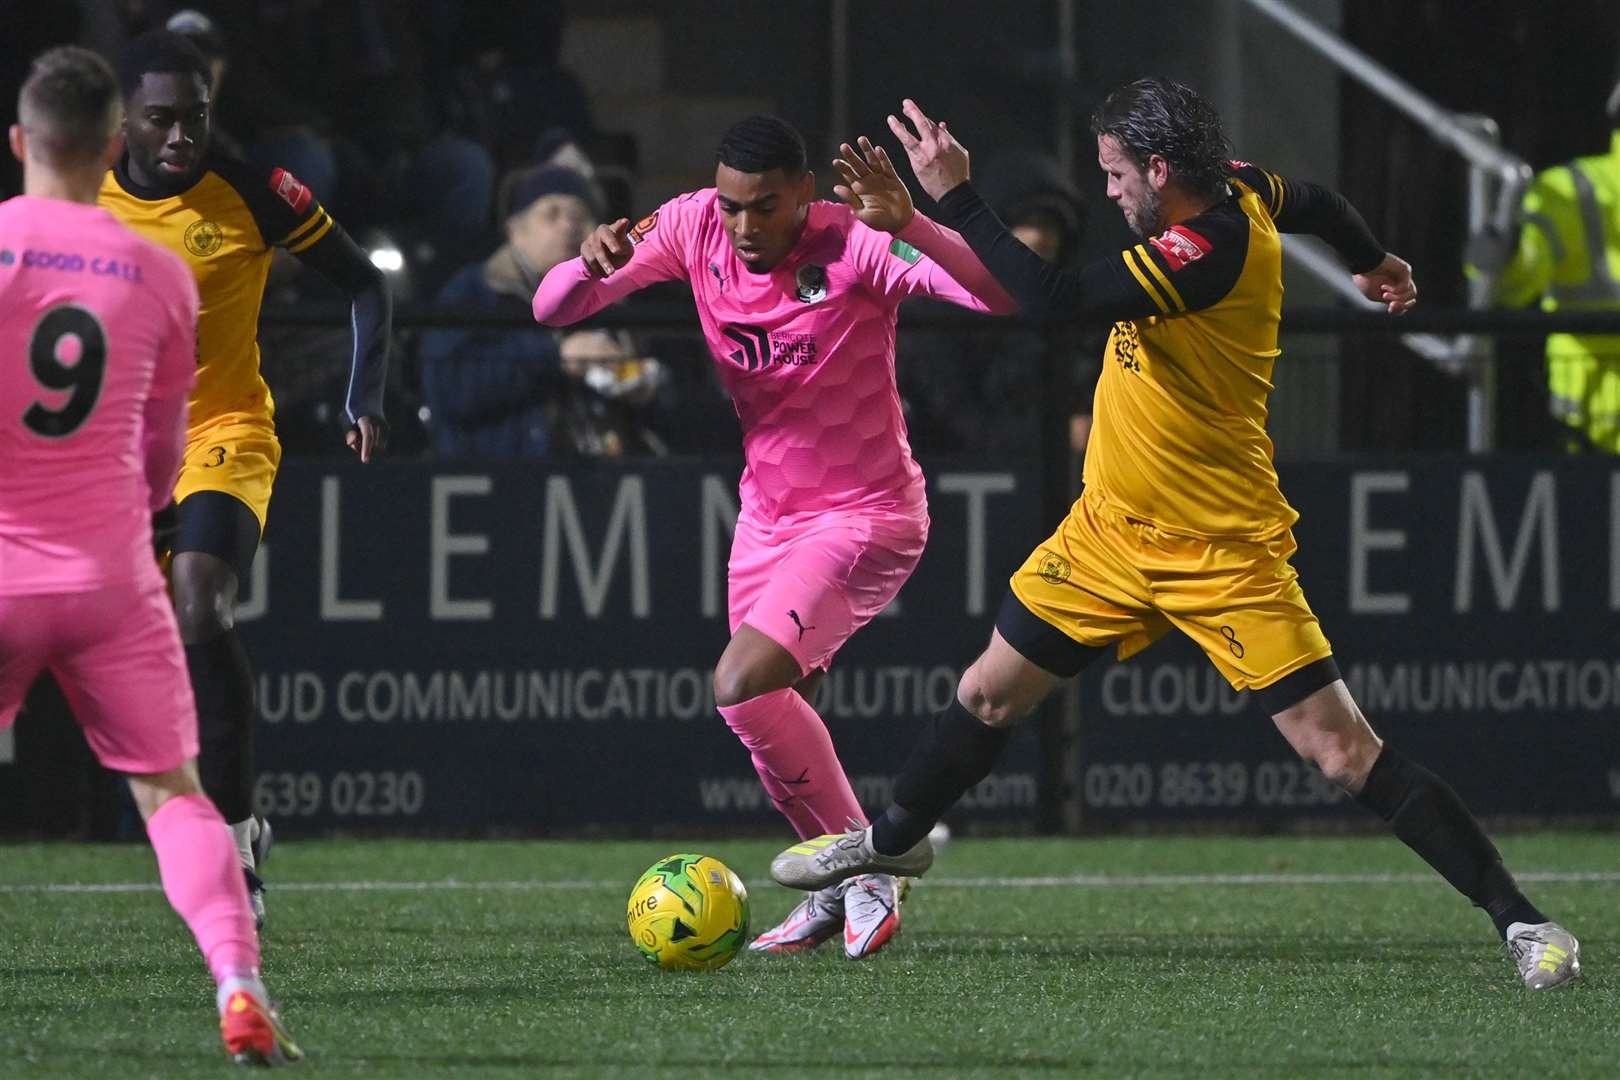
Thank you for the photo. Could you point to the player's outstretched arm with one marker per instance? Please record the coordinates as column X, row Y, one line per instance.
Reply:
column 879, row 199
column 340, row 260
column 1390, row 283
column 1299, row 206
column 941, row 165
column 614, row 261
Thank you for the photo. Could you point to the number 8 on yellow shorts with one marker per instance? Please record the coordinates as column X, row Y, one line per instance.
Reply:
column 1107, row 579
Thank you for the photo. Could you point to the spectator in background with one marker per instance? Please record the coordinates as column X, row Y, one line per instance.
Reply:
column 511, row 393
column 362, row 86
column 1049, row 220
column 507, row 88
column 25, row 37
column 261, row 119
column 607, row 397
column 1567, row 256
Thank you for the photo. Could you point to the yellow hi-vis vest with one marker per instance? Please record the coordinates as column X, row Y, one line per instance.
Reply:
column 1569, row 256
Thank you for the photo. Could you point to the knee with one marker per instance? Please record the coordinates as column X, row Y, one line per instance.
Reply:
column 996, row 707
column 1345, row 761
column 733, row 684
column 150, row 791
column 203, row 613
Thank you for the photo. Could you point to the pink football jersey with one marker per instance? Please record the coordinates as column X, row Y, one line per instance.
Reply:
column 806, row 350
column 97, row 357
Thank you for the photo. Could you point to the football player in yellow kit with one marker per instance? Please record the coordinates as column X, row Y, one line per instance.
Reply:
column 1182, row 524
column 225, row 218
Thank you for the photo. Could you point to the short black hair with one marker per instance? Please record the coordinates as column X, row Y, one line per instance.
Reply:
column 69, row 106
column 1170, row 119
column 760, row 143
column 161, row 52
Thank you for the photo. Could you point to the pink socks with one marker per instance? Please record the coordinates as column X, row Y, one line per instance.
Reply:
column 795, row 759
column 203, row 881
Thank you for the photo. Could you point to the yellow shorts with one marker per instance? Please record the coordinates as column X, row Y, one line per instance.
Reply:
column 1106, row 579
column 236, row 453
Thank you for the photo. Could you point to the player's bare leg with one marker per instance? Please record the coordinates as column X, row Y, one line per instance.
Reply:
column 1328, row 729
column 200, row 877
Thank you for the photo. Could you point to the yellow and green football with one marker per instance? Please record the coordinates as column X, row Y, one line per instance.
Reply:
column 688, row 913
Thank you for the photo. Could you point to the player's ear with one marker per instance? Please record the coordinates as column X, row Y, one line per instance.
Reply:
column 1158, row 172
column 807, row 188
column 19, row 145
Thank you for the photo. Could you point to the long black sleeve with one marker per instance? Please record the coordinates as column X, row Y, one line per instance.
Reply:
column 1299, row 206
column 340, row 260
column 1142, row 281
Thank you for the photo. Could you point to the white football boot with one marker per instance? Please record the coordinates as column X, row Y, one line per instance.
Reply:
column 816, row 918
column 1547, row 954
column 871, row 913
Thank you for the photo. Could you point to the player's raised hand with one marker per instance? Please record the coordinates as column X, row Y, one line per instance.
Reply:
column 940, row 162
column 1390, row 283
column 872, row 188
column 368, row 437
column 607, row 248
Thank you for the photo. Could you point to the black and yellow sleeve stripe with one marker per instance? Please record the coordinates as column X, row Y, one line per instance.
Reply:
column 317, row 226
column 1154, row 281
column 1273, row 192
column 1274, row 204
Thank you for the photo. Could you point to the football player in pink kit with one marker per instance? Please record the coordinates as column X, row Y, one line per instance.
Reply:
column 97, row 357
column 797, row 300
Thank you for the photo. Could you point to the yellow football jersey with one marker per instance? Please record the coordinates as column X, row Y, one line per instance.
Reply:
column 225, row 225
column 1179, row 430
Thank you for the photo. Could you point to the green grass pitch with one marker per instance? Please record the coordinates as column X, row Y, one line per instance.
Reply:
column 510, row 959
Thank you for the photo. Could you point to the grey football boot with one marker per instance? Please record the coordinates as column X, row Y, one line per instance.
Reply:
column 831, row 858
column 1547, row 954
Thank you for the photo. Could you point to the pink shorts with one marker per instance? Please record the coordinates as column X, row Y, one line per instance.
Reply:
column 116, row 654
column 809, row 586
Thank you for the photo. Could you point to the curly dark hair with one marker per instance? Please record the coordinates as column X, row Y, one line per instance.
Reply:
column 1167, row 118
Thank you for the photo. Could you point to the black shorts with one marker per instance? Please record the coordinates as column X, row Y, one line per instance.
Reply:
column 220, row 525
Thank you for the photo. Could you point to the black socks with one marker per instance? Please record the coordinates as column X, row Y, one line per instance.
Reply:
column 222, row 680
column 956, row 752
column 1428, row 817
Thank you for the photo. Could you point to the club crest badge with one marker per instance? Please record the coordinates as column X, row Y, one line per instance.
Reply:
column 203, row 238
column 812, row 284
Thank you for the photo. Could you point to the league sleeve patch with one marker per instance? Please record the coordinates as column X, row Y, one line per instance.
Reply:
column 643, row 227
column 1236, row 164
column 290, row 190
column 1180, row 245
column 904, row 251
